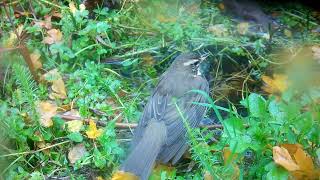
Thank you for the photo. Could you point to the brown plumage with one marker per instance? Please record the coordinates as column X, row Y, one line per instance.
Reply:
column 161, row 134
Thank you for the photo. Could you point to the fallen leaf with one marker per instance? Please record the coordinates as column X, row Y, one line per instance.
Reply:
column 207, row 176
column 282, row 157
column 120, row 175
column 316, row 53
column 277, row 84
column 46, row 23
column 305, row 163
column 218, row 30
column 35, row 59
column 148, row 60
column 292, row 148
column 82, row 7
column 229, row 159
column 58, row 87
column 221, row 6
column 99, row 178
column 46, row 110
column 74, row 126
column 54, row 36
column 76, row 153
column 287, row 33
column 242, row 28
column 159, row 168
column 13, row 39
column 92, row 131
column 72, row 7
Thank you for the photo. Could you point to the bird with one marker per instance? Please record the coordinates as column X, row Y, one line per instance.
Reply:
column 161, row 134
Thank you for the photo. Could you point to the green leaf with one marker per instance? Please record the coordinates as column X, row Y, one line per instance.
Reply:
column 256, row 105
column 99, row 159
column 276, row 111
column 276, row 172
column 76, row 137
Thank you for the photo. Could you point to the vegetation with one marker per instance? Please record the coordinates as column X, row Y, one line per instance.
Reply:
column 74, row 81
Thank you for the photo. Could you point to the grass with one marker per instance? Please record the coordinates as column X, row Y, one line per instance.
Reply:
column 110, row 63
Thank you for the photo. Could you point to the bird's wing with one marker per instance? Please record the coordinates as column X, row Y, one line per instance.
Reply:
column 162, row 108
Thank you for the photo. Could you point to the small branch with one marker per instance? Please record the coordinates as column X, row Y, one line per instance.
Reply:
column 26, row 55
column 132, row 125
column 32, row 152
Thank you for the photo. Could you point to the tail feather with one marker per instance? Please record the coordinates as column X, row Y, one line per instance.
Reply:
column 141, row 160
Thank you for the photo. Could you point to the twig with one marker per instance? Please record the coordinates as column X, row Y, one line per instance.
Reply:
column 32, row 152
column 132, row 125
column 11, row 22
column 26, row 55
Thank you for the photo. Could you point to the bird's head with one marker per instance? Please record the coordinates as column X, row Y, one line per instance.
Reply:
column 189, row 62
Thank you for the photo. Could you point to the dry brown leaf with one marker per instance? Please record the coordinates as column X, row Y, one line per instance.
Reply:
column 243, row 28
column 148, row 60
column 218, row 30
column 292, row 148
column 275, row 85
column 54, row 36
column 35, row 59
column 303, row 160
column 120, row 175
column 74, row 125
column 229, row 158
column 58, row 87
column 287, row 33
column 306, row 168
column 46, row 23
column 47, row 110
column 282, row 157
column 207, row 176
column 92, row 131
column 76, row 153
column 316, row 53
column 221, row 6
column 13, row 39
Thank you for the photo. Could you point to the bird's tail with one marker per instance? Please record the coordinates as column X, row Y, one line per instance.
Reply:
column 142, row 157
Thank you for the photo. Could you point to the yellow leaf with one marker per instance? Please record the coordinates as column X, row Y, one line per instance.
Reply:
column 120, row 175
column 282, row 157
column 47, row 110
column 35, row 59
column 156, row 172
column 275, row 85
column 92, row 131
column 54, row 36
column 58, row 87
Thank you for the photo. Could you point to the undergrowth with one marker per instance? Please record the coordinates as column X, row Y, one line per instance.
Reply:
column 110, row 62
